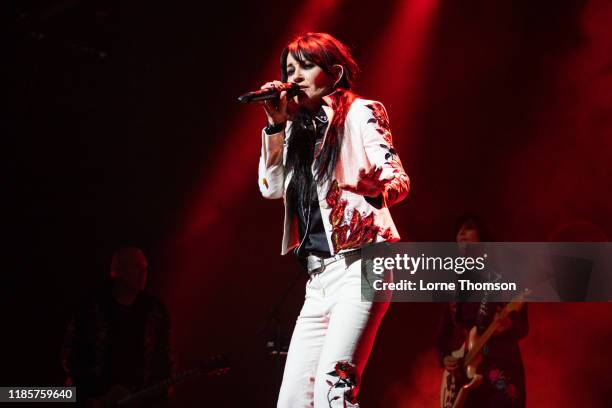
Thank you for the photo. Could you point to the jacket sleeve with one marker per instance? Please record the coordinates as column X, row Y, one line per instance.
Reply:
column 378, row 144
column 271, row 170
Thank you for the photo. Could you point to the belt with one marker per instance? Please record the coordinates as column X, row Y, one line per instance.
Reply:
column 316, row 264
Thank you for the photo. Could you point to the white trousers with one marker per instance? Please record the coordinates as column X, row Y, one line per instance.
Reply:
column 335, row 326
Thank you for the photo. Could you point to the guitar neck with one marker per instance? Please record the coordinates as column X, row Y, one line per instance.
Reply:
column 218, row 364
column 515, row 304
column 482, row 340
column 158, row 387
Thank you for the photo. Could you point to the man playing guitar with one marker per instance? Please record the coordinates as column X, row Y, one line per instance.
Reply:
column 120, row 338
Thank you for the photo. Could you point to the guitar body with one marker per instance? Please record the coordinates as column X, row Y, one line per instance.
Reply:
column 456, row 387
column 451, row 383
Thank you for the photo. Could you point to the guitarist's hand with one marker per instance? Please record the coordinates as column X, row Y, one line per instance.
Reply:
column 451, row 364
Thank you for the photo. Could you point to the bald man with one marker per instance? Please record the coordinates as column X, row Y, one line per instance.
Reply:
column 120, row 339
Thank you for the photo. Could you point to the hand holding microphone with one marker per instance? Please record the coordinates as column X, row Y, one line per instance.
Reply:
column 274, row 96
column 276, row 110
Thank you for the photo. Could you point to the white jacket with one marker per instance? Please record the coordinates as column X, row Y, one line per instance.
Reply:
column 350, row 220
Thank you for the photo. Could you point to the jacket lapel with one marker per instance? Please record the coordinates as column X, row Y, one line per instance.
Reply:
column 329, row 112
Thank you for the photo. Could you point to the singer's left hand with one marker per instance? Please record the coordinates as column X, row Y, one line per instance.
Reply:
column 369, row 183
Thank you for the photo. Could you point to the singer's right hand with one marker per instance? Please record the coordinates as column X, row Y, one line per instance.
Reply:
column 276, row 112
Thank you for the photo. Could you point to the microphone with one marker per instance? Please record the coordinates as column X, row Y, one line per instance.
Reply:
column 265, row 94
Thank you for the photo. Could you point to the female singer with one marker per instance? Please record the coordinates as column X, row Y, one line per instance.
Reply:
column 329, row 154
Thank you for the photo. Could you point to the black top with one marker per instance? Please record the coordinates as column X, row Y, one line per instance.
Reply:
column 108, row 344
column 125, row 344
column 311, row 231
column 310, row 223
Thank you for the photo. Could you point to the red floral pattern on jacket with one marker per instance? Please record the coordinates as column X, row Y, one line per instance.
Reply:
column 361, row 229
column 380, row 117
column 400, row 182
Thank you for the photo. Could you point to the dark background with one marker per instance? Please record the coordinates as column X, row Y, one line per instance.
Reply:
column 122, row 128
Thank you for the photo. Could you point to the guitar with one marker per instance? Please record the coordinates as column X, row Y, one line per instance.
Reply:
column 121, row 396
column 457, row 386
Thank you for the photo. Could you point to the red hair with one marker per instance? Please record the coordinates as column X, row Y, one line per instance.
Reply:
column 326, row 51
